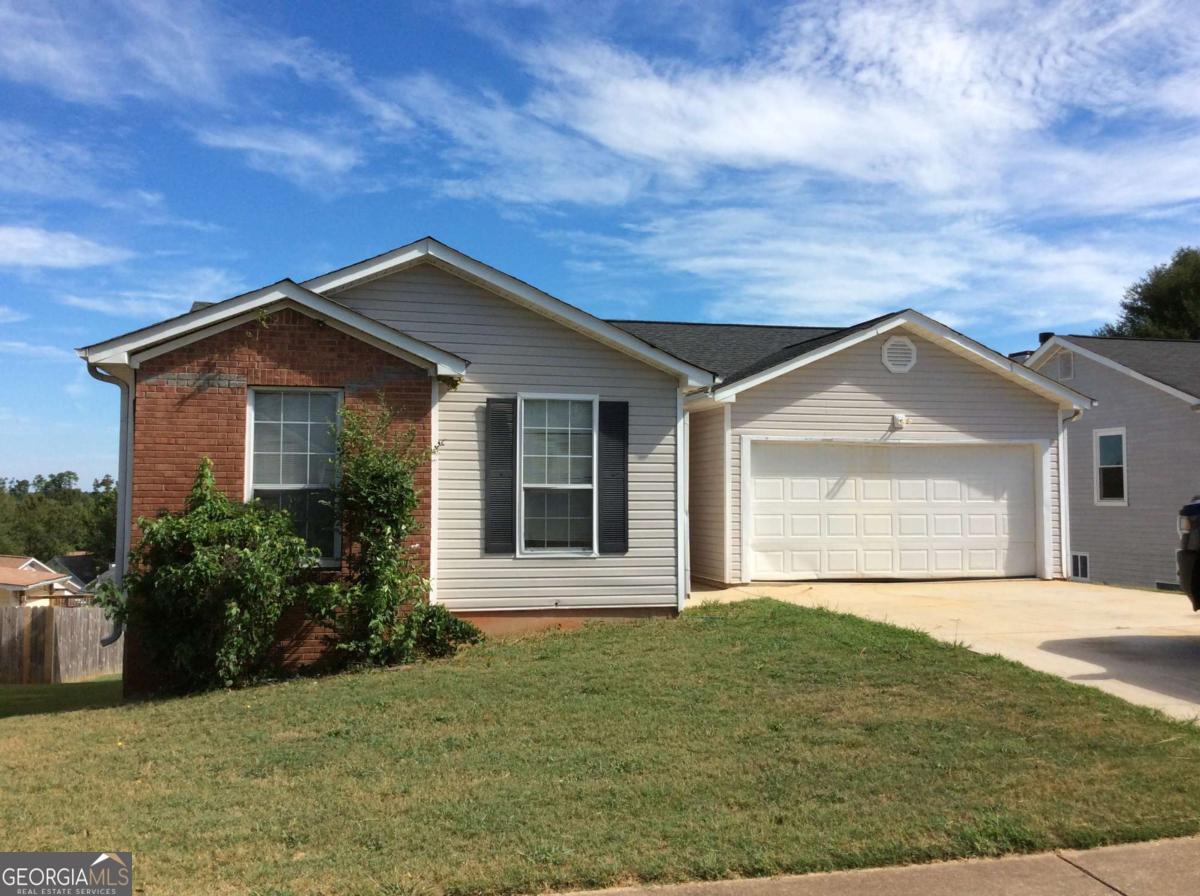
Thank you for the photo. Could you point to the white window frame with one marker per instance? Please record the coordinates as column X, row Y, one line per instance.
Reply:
column 1087, row 560
column 1066, row 366
column 1123, row 501
column 522, row 551
column 335, row 561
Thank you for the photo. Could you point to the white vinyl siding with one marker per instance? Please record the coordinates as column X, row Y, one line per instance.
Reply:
column 706, row 499
column 512, row 350
column 851, row 394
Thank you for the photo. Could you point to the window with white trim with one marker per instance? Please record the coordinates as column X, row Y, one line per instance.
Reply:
column 557, row 473
column 1108, row 448
column 293, row 440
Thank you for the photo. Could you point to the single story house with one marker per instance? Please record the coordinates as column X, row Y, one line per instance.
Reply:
column 1132, row 462
column 28, row 582
column 560, row 488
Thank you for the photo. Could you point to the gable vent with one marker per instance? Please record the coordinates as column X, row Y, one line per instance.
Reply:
column 899, row 354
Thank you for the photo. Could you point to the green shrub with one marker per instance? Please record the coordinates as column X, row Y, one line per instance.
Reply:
column 206, row 587
column 430, row 630
column 380, row 610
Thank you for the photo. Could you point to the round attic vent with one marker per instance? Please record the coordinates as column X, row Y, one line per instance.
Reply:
column 899, row 354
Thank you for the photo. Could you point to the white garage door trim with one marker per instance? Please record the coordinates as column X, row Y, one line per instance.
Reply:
column 1043, row 497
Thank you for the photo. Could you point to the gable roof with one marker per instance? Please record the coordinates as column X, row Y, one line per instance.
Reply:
column 79, row 565
column 19, row 561
column 147, row 342
column 28, row 578
column 1172, row 365
column 431, row 251
column 747, row 356
column 724, row 349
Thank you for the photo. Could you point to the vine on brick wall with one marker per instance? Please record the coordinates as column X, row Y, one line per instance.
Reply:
column 380, row 610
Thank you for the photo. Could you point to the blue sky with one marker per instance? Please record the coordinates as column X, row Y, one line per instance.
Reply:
column 1006, row 167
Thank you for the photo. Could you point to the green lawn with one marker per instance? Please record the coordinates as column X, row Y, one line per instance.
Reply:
column 750, row 739
column 32, row 699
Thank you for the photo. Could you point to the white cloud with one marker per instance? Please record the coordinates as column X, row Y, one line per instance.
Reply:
column 33, row 247
column 33, row 351
column 11, row 315
column 301, row 157
column 1009, row 164
column 39, row 165
column 500, row 151
column 175, row 296
column 166, row 51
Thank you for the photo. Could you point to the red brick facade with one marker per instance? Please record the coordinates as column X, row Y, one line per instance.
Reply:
column 191, row 403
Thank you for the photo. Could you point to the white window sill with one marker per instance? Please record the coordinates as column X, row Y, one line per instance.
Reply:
column 1111, row 502
column 550, row 552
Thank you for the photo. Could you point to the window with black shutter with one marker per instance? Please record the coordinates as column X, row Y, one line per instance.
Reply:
column 557, row 476
column 500, row 477
column 612, row 464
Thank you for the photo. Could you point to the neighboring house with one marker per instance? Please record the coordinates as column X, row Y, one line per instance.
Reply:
column 559, row 490
column 1135, row 459
column 28, row 582
column 79, row 565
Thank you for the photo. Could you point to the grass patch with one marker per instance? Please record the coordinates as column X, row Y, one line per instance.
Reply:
column 749, row 739
column 34, row 699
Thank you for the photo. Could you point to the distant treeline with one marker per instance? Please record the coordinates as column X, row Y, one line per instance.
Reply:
column 51, row 515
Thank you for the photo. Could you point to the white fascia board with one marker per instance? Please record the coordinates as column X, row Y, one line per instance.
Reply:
column 704, row 401
column 508, row 287
column 1054, row 344
column 937, row 333
column 188, row 327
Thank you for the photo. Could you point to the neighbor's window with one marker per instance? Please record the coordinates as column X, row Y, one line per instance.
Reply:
column 293, row 444
column 557, row 473
column 1110, row 465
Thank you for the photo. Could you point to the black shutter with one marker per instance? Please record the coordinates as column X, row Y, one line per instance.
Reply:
column 613, row 465
column 500, row 477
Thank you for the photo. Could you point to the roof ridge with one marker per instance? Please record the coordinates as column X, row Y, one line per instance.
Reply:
column 1129, row 338
column 715, row 323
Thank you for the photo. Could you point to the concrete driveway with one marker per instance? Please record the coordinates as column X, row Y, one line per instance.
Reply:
column 1143, row 646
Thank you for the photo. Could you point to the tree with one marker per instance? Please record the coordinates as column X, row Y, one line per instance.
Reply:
column 101, row 537
column 50, row 515
column 1164, row 304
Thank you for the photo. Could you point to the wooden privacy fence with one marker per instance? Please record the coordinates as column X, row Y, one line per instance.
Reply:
column 49, row 645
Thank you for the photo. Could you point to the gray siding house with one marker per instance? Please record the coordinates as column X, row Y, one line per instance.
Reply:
column 1134, row 459
column 590, row 468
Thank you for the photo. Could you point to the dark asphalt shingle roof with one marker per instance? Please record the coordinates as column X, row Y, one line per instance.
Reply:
column 736, row 351
column 722, row 348
column 1174, row 362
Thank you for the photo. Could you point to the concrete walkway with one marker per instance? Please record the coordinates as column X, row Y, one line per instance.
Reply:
column 1142, row 646
column 1161, row 868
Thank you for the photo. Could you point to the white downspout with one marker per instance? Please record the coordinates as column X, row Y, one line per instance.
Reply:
column 124, row 481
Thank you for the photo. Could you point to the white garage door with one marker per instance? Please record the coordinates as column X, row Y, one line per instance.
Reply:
column 838, row 511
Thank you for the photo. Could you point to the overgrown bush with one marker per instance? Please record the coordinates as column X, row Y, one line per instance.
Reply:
column 381, row 609
column 206, row 587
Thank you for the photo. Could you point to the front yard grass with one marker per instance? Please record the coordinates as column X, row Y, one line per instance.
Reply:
column 750, row 739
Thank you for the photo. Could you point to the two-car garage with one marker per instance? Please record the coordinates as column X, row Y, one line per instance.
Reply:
column 895, row 449
column 844, row 510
